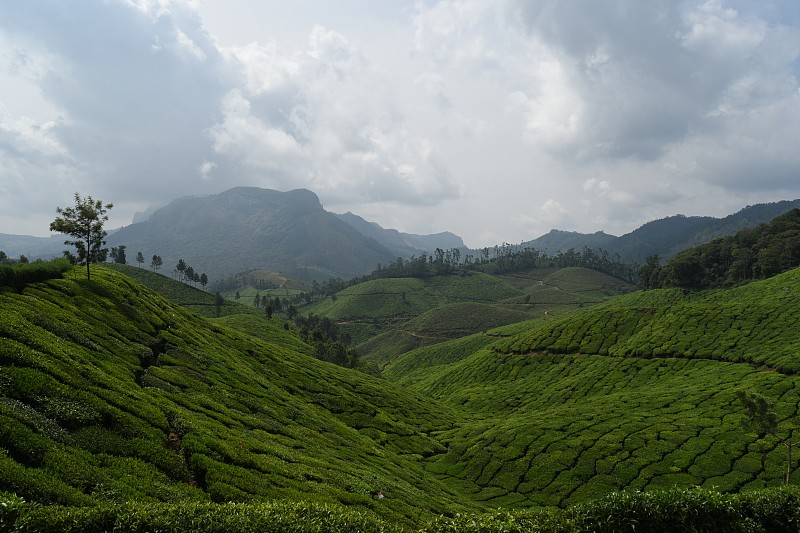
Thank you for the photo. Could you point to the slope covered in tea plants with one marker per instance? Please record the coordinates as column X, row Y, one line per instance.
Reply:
column 111, row 393
column 754, row 323
column 389, row 316
column 578, row 406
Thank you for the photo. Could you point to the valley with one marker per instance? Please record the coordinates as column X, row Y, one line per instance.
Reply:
column 537, row 397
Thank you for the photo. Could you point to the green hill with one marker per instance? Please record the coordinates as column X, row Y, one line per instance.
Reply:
column 389, row 316
column 110, row 393
column 635, row 393
column 129, row 409
column 402, row 297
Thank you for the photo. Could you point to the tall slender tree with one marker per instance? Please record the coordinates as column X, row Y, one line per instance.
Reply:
column 181, row 268
column 84, row 222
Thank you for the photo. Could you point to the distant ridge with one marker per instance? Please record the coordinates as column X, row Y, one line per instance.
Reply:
column 665, row 237
column 404, row 244
column 249, row 227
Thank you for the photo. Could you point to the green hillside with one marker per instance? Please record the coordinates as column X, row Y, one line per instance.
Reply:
column 402, row 297
column 127, row 411
column 389, row 316
column 635, row 393
column 111, row 393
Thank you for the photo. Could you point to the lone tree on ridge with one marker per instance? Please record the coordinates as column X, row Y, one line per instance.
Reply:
column 84, row 222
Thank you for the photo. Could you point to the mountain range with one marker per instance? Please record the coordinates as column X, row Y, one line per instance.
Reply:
column 247, row 228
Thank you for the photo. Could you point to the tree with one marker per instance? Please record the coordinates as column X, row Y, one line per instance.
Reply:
column 762, row 417
column 257, row 300
column 156, row 263
column 140, row 258
column 268, row 311
column 237, row 295
column 180, row 267
column 118, row 254
column 188, row 274
column 203, row 280
column 84, row 222
column 219, row 301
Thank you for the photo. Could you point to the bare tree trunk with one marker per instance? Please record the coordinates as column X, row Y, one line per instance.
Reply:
column 788, row 460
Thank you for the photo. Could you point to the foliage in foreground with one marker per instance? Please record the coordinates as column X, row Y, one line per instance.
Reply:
column 109, row 394
column 768, row 510
column 280, row 516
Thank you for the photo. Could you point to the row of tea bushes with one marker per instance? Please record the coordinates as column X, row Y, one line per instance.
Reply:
column 767, row 510
column 281, row 516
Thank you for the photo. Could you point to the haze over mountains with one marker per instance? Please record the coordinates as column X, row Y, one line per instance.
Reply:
column 247, row 227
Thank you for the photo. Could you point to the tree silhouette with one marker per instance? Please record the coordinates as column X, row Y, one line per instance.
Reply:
column 140, row 258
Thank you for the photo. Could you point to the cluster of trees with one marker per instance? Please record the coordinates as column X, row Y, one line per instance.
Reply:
column 329, row 343
column 751, row 254
column 5, row 260
column 155, row 262
column 507, row 258
column 118, row 254
column 243, row 280
column 187, row 274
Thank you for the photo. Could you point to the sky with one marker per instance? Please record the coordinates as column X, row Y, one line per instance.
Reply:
column 497, row 120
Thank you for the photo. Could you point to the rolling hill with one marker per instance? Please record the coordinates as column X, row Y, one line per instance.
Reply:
column 639, row 392
column 110, row 393
column 390, row 316
column 113, row 399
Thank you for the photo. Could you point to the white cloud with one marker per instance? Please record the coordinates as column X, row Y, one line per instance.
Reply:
column 494, row 119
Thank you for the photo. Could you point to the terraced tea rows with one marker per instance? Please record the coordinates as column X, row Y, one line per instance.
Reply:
column 755, row 323
column 109, row 393
column 551, row 428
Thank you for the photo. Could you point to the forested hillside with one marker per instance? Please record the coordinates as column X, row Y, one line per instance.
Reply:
column 750, row 254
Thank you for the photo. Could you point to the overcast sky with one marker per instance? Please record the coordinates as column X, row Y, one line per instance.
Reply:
column 494, row 119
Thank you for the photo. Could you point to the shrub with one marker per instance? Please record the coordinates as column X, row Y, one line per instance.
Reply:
column 18, row 276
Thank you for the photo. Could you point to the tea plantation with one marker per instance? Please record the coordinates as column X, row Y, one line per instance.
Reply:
column 109, row 393
column 636, row 393
column 121, row 410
